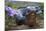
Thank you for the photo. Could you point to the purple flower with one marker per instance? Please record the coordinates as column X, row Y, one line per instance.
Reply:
column 8, row 8
column 11, row 12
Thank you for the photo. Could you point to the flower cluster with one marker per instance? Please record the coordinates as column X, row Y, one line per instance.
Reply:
column 11, row 12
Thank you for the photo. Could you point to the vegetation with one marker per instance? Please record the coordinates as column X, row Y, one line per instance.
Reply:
column 11, row 21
